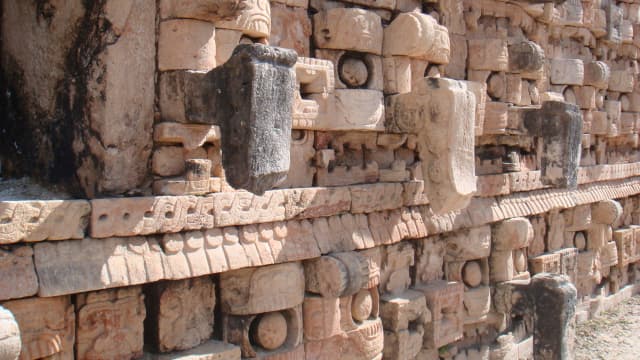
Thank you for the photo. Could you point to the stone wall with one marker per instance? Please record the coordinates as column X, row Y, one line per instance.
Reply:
column 413, row 176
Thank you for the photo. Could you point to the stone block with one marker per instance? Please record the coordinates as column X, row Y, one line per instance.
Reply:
column 337, row 275
column 110, row 324
column 560, row 126
column 262, row 289
column 404, row 311
column 547, row 263
column 44, row 334
column 397, row 74
column 206, row 10
column 512, row 234
column 376, row 197
column 291, row 28
column 349, row 109
column 271, row 335
column 365, row 342
column 395, row 270
column 186, row 45
column 429, row 260
column 597, row 74
column 488, row 54
column 226, row 41
column 348, row 29
column 468, row 244
column 606, row 212
column 569, row 263
column 10, row 345
column 301, row 171
column 17, row 273
column 567, row 72
column 354, row 70
column 445, row 301
column 525, row 56
column 621, row 81
column 180, row 313
column 404, row 344
column 447, row 132
column 418, row 36
column 190, row 136
column 476, row 304
column 42, row 220
column 321, row 317
column 254, row 19
column 241, row 207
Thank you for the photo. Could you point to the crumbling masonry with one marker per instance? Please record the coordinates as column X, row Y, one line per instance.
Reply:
column 310, row 179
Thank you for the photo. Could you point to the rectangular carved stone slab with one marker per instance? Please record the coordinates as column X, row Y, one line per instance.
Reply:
column 366, row 342
column 17, row 273
column 149, row 215
column 42, row 220
column 263, row 289
column 47, row 327
column 211, row 350
column 110, row 324
column 445, row 301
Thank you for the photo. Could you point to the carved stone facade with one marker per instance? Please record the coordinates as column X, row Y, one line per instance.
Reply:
column 414, row 170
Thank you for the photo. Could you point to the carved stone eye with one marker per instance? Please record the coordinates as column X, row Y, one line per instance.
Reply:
column 353, row 71
column 270, row 331
column 361, row 305
column 472, row 273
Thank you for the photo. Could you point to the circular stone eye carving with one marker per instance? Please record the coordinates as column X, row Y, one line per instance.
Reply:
column 353, row 71
column 472, row 273
column 270, row 332
column 519, row 261
column 580, row 241
column 361, row 305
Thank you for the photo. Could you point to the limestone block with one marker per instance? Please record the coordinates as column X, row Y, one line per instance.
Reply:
column 182, row 98
column 621, row 81
column 239, row 208
column 549, row 263
column 18, row 273
column 291, row 28
column 96, row 264
column 336, row 275
column 191, row 136
column 321, row 317
column 273, row 335
column 496, row 118
column 567, row 72
column 468, row 244
column 445, row 301
column 206, row 10
column 42, row 220
column 10, row 345
column 344, row 175
column 477, row 304
column 263, row 289
column 110, row 324
column 186, row 44
column 525, row 56
column 561, row 133
column 554, row 316
column 569, row 263
column 404, row 344
column 457, row 66
column 585, row 97
column 365, row 342
column 625, row 243
column 348, row 29
column 256, row 140
column 354, row 70
column 608, row 256
column 419, row 36
column 301, row 171
column 149, row 215
column 168, row 161
column 488, row 54
column 180, row 313
column 376, row 197
column 429, row 260
column 210, row 350
column 447, row 157
column 597, row 74
column 43, row 334
column 349, row 109
column 614, row 18
column 404, row 311
column 384, row 4
column 254, row 19
column 226, row 41
column 395, row 271
column 316, row 202
column 511, row 234
column 606, row 212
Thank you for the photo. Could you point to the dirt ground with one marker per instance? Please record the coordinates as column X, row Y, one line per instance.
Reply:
column 615, row 334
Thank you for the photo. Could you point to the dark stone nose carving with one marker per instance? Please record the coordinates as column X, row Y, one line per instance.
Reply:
column 251, row 98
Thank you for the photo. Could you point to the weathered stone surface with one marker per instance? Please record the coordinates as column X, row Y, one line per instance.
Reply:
column 447, row 134
column 18, row 274
column 42, row 220
column 180, row 313
column 254, row 19
column 255, row 139
column 43, row 334
column 526, row 56
column 554, row 300
column 110, row 324
column 560, row 126
column 419, row 36
column 211, row 350
column 488, row 54
column 186, row 45
column 321, row 317
column 336, row 275
column 567, row 71
column 349, row 109
column 366, row 341
column 200, row 9
column 291, row 28
column 445, row 301
column 10, row 345
column 263, row 289
column 348, row 29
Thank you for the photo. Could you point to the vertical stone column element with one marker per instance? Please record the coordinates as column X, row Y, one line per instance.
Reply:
column 560, row 126
column 554, row 300
column 442, row 113
column 10, row 344
column 251, row 97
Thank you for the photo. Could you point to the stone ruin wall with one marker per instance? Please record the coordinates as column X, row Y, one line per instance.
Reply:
column 442, row 153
